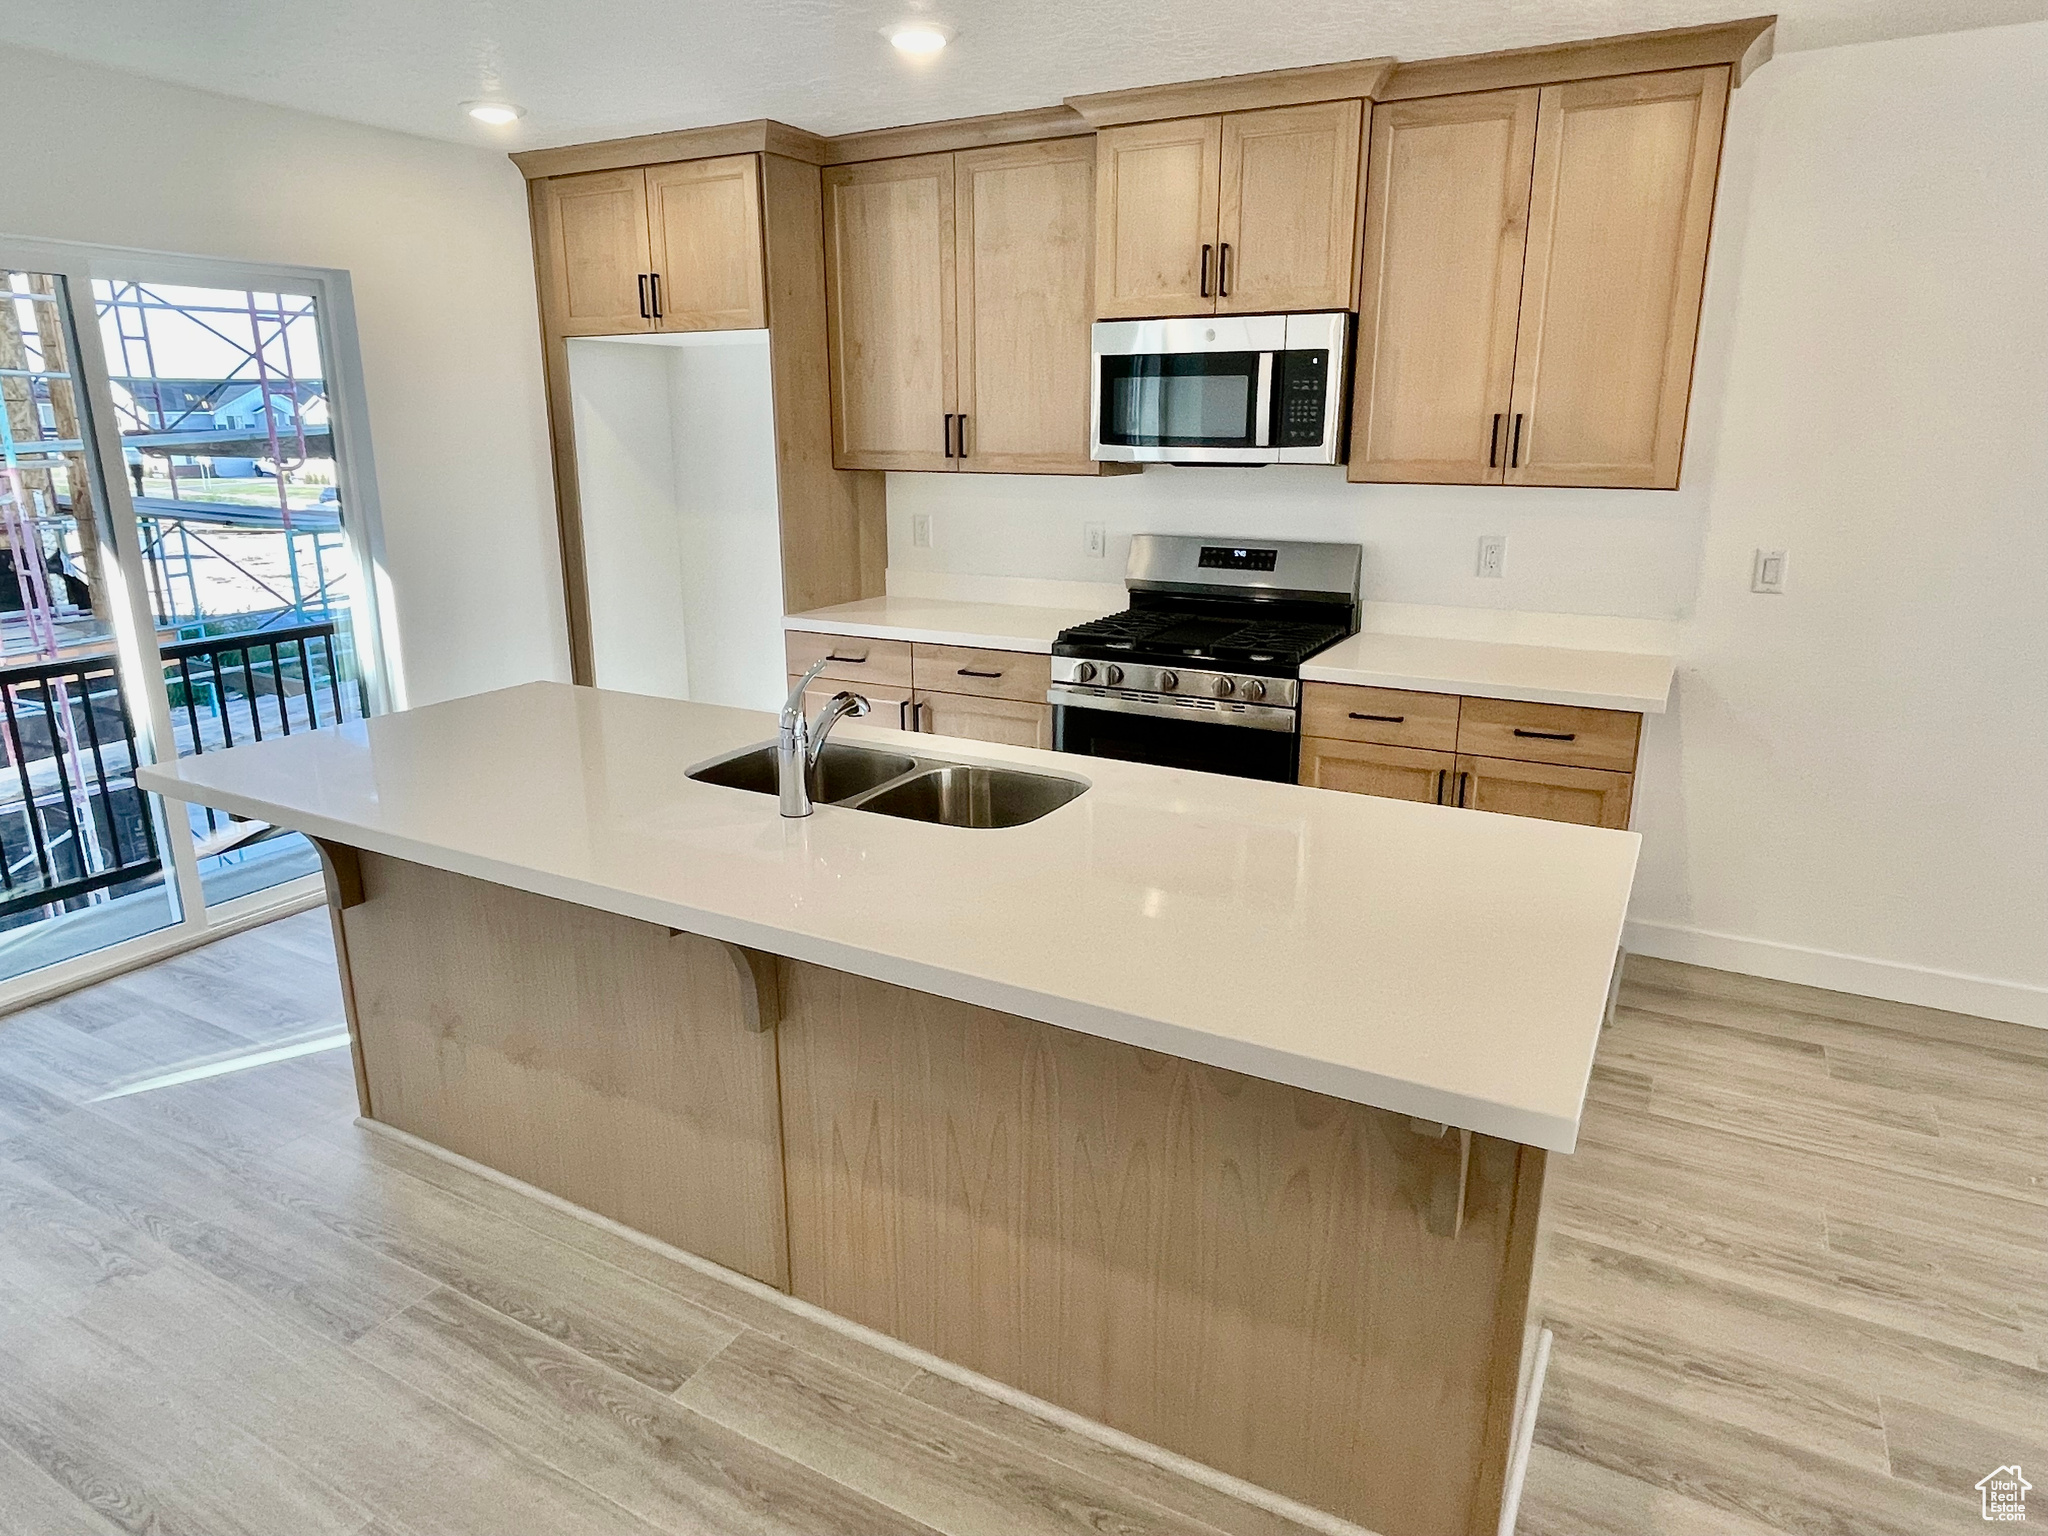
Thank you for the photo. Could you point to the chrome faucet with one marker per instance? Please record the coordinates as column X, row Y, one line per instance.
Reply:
column 799, row 741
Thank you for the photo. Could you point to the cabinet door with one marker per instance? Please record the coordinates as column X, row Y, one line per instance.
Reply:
column 1008, row 721
column 1156, row 187
column 1446, row 218
column 1620, row 208
column 704, row 217
column 1365, row 768
column 1589, row 797
column 594, row 253
column 886, row 706
column 889, row 297
column 1287, row 221
column 1025, row 234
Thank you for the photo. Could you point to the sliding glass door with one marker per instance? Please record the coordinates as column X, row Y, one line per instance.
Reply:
column 186, row 517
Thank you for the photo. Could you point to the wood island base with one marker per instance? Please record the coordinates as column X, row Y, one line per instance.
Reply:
column 1322, row 1298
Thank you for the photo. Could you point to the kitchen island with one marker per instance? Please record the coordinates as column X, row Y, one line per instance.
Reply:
column 1213, row 1110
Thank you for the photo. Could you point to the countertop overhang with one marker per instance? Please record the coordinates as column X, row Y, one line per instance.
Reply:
column 1447, row 964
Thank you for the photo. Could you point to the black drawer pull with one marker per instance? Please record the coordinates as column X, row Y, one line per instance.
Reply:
column 1205, row 269
column 1547, row 735
column 856, row 660
column 1389, row 719
column 970, row 672
column 1493, row 444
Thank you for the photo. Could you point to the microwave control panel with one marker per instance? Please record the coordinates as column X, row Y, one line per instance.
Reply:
column 1303, row 386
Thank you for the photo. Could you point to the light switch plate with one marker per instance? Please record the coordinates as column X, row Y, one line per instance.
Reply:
column 1493, row 554
column 921, row 530
column 1767, row 571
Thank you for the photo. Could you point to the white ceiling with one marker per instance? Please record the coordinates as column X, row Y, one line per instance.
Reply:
column 588, row 69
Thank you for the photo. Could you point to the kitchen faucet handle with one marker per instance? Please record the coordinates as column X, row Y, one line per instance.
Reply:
column 793, row 706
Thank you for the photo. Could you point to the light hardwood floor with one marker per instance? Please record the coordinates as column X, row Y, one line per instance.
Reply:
column 1798, row 1274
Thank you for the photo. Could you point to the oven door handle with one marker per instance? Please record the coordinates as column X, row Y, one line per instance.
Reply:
column 1263, row 437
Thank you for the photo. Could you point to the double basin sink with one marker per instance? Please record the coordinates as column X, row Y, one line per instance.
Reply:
column 912, row 788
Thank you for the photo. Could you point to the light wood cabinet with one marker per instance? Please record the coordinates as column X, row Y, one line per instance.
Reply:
column 887, row 705
column 1365, row 768
column 848, row 658
column 661, row 248
column 1010, row 721
column 961, row 289
column 1550, row 733
column 1589, row 797
column 591, row 241
column 1392, row 717
column 1532, row 273
column 1446, row 220
column 1243, row 212
column 704, row 232
column 1024, row 231
column 889, row 288
column 1621, row 202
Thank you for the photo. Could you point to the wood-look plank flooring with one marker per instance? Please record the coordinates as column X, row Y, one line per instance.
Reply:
column 1797, row 1272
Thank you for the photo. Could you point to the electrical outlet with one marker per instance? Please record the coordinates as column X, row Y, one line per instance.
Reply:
column 1095, row 537
column 1767, row 571
column 1493, row 553
column 920, row 530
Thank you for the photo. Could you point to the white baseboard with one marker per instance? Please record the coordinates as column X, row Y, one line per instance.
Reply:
column 1984, row 997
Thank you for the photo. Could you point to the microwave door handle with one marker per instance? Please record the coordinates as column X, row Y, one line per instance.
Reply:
column 1264, row 433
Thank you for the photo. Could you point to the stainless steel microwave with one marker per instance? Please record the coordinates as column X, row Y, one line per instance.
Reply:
column 1221, row 389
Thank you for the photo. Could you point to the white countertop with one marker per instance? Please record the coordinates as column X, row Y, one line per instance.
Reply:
column 945, row 621
column 1492, row 670
column 1442, row 963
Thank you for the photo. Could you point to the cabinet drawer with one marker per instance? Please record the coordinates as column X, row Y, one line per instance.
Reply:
column 1017, row 675
column 850, row 658
column 886, row 706
column 1393, row 717
column 1549, row 733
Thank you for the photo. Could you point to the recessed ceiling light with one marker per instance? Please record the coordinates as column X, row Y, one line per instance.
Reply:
column 919, row 39
column 496, row 113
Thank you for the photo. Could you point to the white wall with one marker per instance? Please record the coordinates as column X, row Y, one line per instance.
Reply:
column 434, row 238
column 1849, row 788
column 682, row 548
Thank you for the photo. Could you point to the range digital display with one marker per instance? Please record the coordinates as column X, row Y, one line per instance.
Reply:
column 1232, row 557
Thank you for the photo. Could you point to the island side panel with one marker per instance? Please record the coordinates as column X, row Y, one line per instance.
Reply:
column 602, row 1059
column 1234, row 1269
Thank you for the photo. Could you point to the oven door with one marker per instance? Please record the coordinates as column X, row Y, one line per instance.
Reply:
column 1245, row 752
column 1186, row 391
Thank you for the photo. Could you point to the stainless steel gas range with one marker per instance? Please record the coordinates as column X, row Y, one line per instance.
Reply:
column 1203, row 670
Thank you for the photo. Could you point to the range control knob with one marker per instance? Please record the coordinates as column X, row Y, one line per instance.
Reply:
column 1225, row 687
column 1112, row 674
column 1085, row 673
column 1168, row 681
column 1254, row 689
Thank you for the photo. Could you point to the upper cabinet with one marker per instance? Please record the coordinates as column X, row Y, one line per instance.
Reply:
column 1241, row 213
column 660, row 248
column 960, row 290
column 1532, row 271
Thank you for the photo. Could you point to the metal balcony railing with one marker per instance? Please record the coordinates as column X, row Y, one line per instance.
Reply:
column 72, row 819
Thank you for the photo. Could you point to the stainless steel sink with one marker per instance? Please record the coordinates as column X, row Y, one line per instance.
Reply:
column 961, row 795
column 911, row 788
column 840, row 773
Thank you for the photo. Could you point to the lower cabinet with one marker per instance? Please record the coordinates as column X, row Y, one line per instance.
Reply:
column 886, row 706
column 1010, row 721
column 1591, row 797
column 941, row 690
column 1365, row 768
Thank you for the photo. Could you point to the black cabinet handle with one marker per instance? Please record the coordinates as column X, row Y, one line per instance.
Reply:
column 1493, row 444
column 1223, row 270
column 961, row 437
column 645, row 312
column 1515, row 453
column 1441, row 775
column 855, row 660
column 1464, row 783
column 970, row 672
column 1389, row 719
column 654, row 288
column 947, row 433
column 1206, row 251
column 1546, row 735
